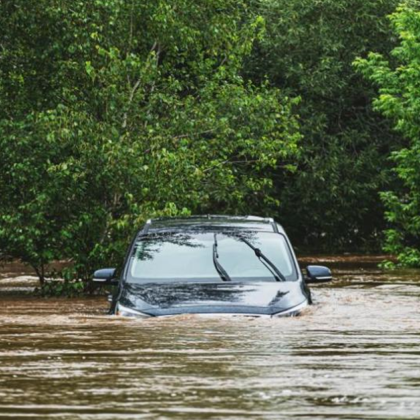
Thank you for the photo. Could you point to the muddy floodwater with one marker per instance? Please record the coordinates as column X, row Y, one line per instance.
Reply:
column 355, row 354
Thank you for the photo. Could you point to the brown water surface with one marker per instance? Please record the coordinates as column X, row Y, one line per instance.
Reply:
column 355, row 354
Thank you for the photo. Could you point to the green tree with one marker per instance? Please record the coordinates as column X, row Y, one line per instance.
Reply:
column 332, row 200
column 399, row 100
column 114, row 111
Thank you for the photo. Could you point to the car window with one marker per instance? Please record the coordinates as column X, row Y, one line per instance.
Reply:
column 189, row 257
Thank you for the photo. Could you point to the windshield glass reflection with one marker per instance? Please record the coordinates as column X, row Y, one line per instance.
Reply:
column 189, row 257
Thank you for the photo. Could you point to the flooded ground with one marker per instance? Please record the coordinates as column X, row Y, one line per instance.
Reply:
column 355, row 354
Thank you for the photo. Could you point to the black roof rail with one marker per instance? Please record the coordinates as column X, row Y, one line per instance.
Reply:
column 212, row 216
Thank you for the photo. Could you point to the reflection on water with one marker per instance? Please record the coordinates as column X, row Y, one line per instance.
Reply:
column 353, row 355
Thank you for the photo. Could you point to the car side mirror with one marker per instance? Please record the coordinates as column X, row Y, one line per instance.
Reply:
column 318, row 274
column 106, row 276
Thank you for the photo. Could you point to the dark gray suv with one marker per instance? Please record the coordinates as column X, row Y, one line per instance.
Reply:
column 211, row 265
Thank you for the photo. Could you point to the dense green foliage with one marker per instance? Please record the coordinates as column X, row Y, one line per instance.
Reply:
column 114, row 111
column 399, row 100
column 331, row 201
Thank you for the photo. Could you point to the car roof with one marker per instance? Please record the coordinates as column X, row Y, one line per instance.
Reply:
column 211, row 222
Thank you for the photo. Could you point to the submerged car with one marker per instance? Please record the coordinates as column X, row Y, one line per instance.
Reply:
column 211, row 265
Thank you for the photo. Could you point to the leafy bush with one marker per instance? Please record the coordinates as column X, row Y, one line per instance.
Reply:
column 112, row 112
column 331, row 201
column 399, row 100
column 62, row 289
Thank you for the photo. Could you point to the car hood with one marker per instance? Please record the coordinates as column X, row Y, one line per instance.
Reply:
column 171, row 298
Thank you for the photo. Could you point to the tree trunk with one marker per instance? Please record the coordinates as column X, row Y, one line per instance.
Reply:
column 40, row 272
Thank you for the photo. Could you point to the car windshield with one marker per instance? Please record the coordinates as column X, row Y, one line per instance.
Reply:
column 191, row 257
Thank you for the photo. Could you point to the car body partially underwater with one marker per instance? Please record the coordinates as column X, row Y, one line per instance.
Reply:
column 211, row 265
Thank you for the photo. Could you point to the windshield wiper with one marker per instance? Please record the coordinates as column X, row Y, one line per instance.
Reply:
column 271, row 267
column 222, row 272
